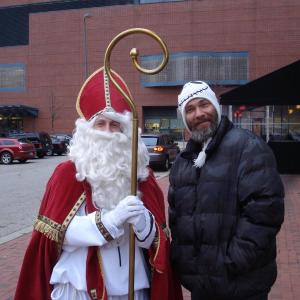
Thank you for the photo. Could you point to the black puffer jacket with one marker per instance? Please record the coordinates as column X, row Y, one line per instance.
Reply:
column 224, row 217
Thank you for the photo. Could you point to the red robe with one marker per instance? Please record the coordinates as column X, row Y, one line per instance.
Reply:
column 62, row 198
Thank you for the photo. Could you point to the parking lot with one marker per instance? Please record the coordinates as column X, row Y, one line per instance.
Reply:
column 21, row 189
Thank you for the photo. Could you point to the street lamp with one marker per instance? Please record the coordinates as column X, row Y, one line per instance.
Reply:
column 85, row 16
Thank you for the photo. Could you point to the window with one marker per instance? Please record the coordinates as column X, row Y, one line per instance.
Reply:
column 8, row 142
column 149, row 140
column 225, row 68
column 283, row 120
column 12, row 77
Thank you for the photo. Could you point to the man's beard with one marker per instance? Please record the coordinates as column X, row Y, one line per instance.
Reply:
column 104, row 160
column 202, row 135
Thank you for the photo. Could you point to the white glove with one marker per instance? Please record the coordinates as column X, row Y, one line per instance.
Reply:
column 138, row 222
column 130, row 206
column 143, row 225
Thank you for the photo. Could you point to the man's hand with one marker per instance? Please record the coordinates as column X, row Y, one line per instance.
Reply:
column 129, row 207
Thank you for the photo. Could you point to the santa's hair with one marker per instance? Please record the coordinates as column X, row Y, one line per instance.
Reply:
column 104, row 160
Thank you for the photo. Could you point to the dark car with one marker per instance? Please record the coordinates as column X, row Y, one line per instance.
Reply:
column 14, row 149
column 59, row 147
column 162, row 150
column 65, row 137
column 41, row 141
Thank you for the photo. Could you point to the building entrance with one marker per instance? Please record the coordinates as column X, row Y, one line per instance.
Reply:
column 12, row 117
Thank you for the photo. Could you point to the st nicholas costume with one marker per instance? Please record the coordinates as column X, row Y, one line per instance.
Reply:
column 65, row 196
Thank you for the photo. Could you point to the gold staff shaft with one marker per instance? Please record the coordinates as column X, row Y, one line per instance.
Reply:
column 134, row 144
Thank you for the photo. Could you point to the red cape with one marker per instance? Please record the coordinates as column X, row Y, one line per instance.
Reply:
column 63, row 196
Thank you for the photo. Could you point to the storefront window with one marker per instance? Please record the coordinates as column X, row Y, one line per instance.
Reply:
column 10, row 124
column 283, row 122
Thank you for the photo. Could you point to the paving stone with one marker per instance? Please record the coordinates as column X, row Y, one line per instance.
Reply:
column 286, row 287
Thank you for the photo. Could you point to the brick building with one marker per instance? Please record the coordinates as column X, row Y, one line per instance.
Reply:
column 47, row 48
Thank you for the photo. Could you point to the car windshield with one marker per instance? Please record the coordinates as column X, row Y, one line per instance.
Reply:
column 32, row 139
column 59, row 137
column 150, row 140
column 23, row 140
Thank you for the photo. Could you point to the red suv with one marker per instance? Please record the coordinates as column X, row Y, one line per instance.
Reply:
column 11, row 149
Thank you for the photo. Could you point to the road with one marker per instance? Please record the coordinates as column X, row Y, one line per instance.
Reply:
column 21, row 190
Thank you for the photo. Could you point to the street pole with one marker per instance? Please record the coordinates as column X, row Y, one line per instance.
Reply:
column 85, row 50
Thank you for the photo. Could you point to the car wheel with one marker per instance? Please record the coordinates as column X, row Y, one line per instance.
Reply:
column 166, row 165
column 22, row 161
column 6, row 158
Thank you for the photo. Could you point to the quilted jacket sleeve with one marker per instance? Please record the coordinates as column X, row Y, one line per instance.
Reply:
column 261, row 205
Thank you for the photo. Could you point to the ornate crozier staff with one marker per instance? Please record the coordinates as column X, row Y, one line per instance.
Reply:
column 134, row 54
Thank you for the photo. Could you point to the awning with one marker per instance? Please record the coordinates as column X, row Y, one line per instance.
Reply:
column 18, row 111
column 281, row 87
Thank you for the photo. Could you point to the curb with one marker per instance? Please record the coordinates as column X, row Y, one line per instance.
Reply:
column 15, row 235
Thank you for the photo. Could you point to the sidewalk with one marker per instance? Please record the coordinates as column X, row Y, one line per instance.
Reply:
column 287, row 286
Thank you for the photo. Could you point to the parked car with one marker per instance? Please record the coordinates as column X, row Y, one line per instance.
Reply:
column 65, row 137
column 14, row 149
column 40, row 140
column 162, row 150
column 59, row 147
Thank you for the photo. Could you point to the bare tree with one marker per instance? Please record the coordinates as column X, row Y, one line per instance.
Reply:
column 54, row 110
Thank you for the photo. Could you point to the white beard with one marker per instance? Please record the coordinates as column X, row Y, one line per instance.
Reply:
column 104, row 160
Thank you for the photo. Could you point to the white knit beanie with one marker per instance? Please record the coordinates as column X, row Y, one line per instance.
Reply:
column 193, row 90
column 197, row 89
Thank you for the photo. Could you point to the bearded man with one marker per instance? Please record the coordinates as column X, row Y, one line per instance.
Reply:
column 80, row 243
column 226, row 205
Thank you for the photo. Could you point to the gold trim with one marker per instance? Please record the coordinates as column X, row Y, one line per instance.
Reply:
column 166, row 231
column 72, row 212
column 155, row 245
column 69, row 218
column 105, row 233
column 53, row 230
column 156, row 241
column 102, row 275
column 48, row 227
column 106, row 90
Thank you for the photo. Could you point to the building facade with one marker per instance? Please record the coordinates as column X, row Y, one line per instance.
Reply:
column 48, row 48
